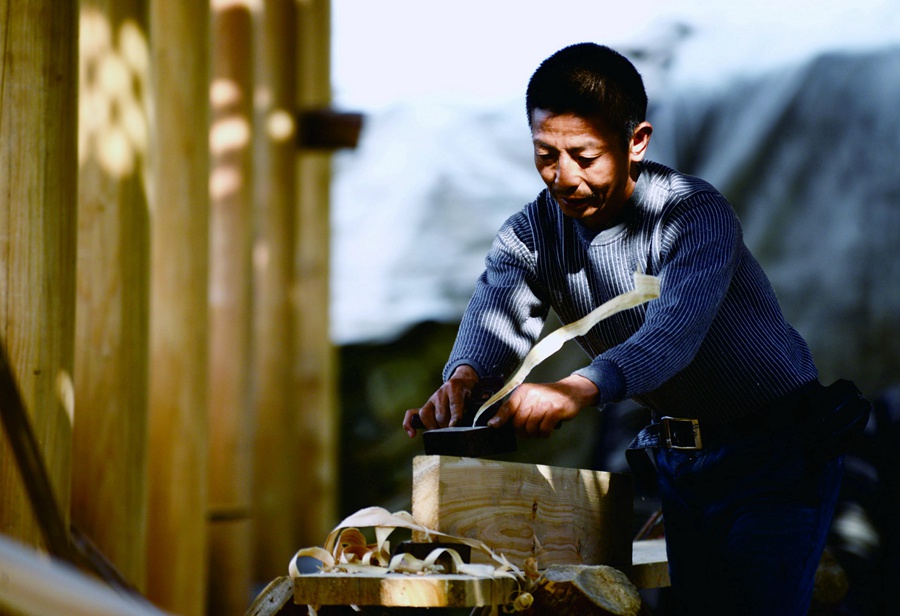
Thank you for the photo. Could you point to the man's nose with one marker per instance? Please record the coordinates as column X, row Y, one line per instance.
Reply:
column 568, row 173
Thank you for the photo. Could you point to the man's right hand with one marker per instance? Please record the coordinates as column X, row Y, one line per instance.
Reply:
column 447, row 405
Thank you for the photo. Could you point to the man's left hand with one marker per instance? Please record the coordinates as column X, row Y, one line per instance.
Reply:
column 536, row 408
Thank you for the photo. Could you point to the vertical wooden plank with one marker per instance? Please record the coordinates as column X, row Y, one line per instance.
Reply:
column 178, row 425
column 38, row 177
column 109, row 449
column 315, row 505
column 274, row 402
column 230, row 471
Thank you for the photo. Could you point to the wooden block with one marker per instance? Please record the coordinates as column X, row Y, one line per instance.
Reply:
column 558, row 515
column 401, row 590
column 649, row 564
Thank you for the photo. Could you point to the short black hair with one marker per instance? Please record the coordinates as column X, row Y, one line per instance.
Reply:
column 588, row 79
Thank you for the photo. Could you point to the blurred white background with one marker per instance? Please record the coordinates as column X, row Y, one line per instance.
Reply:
column 483, row 51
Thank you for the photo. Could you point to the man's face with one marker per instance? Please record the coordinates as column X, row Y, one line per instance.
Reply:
column 587, row 168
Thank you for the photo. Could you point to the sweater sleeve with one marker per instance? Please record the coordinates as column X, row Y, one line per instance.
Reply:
column 699, row 249
column 507, row 311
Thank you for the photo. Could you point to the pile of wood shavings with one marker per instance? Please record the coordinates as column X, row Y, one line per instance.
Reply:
column 347, row 550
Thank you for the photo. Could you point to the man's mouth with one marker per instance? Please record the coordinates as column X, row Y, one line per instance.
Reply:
column 572, row 203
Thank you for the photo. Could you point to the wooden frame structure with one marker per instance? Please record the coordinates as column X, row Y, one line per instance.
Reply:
column 157, row 259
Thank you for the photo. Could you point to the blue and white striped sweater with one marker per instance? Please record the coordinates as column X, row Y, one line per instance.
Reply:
column 714, row 345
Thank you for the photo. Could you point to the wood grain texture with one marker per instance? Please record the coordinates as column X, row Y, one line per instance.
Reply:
column 109, row 489
column 558, row 515
column 179, row 433
column 572, row 590
column 399, row 590
column 650, row 570
column 38, row 178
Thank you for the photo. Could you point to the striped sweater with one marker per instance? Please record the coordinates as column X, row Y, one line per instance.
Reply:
column 714, row 345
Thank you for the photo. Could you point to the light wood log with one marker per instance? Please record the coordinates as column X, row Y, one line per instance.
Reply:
column 178, row 443
column 274, row 400
column 231, row 228
column 315, row 504
column 38, row 173
column 109, row 487
column 567, row 590
column 557, row 515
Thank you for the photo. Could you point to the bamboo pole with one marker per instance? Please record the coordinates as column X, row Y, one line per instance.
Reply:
column 109, row 483
column 178, row 425
column 38, row 173
column 274, row 400
column 230, row 472
column 315, row 504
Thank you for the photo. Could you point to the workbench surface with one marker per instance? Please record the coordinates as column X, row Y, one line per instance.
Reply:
column 649, row 569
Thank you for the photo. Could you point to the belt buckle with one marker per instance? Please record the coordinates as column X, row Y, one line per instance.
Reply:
column 674, row 443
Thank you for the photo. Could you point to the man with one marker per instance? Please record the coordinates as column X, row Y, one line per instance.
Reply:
column 746, row 512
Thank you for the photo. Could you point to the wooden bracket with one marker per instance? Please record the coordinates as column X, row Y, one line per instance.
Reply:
column 327, row 129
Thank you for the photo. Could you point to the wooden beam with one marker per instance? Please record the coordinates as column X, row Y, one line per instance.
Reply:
column 556, row 515
column 38, row 173
column 178, row 432
column 109, row 450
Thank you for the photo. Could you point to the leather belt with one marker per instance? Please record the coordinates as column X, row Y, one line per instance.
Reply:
column 671, row 432
column 689, row 434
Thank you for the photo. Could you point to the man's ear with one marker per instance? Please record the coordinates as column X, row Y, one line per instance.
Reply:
column 639, row 141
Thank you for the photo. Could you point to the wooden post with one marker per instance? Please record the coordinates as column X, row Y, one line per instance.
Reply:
column 109, row 450
column 38, row 173
column 315, row 504
column 275, row 404
column 178, row 441
column 231, row 226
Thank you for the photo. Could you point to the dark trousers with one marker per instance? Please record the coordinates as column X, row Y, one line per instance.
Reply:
column 746, row 524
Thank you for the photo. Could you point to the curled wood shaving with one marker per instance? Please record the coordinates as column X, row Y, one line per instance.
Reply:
column 346, row 549
column 645, row 288
column 407, row 563
column 522, row 602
